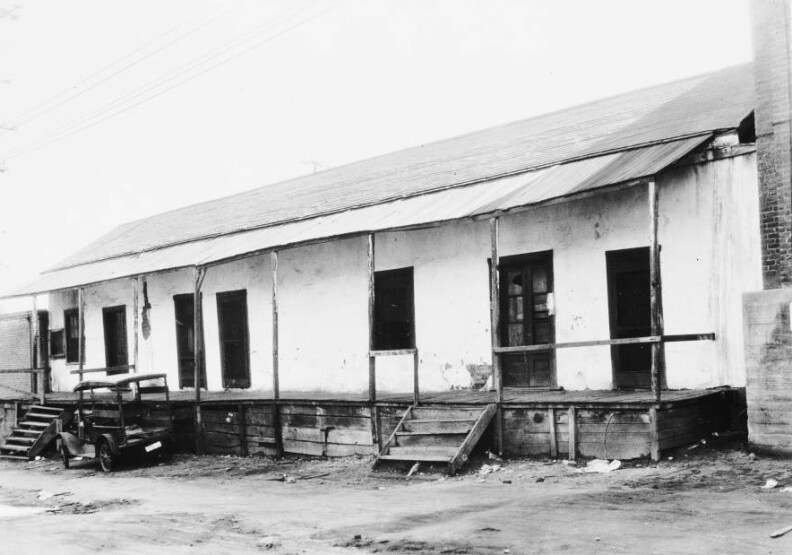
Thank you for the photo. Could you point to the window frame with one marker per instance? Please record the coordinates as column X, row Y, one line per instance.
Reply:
column 124, row 340
column 380, row 276
column 243, row 382
column 72, row 355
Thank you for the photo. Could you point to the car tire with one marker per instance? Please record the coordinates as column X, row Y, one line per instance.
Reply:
column 105, row 457
column 65, row 456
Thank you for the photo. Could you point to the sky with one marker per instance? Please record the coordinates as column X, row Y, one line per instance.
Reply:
column 112, row 110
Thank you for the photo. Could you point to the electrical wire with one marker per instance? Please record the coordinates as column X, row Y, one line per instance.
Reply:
column 35, row 112
column 123, row 103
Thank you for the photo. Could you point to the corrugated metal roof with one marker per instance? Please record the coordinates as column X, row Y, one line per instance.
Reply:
column 451, row 204
column 688, row 107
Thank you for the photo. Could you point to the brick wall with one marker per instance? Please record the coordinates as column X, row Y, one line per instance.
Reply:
column 772, row 72
column 14, row 354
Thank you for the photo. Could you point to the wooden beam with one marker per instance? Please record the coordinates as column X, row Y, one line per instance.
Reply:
column 553, row 434
column 276, row 419
column 572, row 425
column 136, row 324
column 654, row 438
column 416, row 388
column 370, row 254
column 392, row 352
column 23, row 371
column 655, row 290
column 497, row 376
column 81, row 335
column 34, row 344
column 110, row 369
column 199, row 275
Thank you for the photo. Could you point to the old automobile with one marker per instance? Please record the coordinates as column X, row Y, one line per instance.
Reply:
column 125, row 417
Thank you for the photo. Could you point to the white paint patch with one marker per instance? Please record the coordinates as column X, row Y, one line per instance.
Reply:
column 9, row 511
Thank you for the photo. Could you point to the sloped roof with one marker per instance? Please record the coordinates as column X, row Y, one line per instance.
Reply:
column 682, row 109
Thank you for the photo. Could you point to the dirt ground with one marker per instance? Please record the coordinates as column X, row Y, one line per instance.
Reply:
column 707, row 499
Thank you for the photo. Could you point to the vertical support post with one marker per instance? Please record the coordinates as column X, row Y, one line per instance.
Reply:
column 372, row 360
column 35, row 361
column 655, row 291
column 654, row 436
column 136, row 325
column 416, row 388
column 495, row 325
column 243, row 445
column 572, row 426
column 199, row 275
column 276, row 420
column 81, row 337
column 551, row 416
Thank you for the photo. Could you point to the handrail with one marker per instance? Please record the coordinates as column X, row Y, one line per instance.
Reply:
column 118, row 369
column 605, row 342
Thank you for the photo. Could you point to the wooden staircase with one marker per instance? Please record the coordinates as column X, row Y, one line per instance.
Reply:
column 437, row 435
column 33, row 433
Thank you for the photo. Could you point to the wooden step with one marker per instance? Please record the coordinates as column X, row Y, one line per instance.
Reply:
column 41, row 408
column 15, row 457
column 440, row 453
column 39, row 416
column 23, row 440
column 415, row 457
column 9, row 447
column 34, row 424
column 445, row 413
column 26, row 432
column 409, row 439
column 439, row 426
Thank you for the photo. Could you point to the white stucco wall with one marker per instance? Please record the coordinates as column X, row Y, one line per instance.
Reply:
column 710, row 255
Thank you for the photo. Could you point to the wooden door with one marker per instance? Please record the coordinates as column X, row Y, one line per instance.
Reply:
column 526, row 283
column 185, row 341
column 234, row 357
column 630, row 316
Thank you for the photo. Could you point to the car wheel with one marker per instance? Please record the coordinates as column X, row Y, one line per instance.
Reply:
column 104, row 456
column 65, row 455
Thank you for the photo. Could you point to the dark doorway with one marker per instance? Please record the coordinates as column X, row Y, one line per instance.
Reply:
column 232, row 318
column 185, row 341
column 394, row 314
column 526, row 288
column 115, row 336
column 628, row 299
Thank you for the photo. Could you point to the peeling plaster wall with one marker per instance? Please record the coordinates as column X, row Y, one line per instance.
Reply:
column 710, row 255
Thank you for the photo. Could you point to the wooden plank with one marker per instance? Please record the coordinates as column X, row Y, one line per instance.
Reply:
column 326, row 410
column 261, row 449
column 199, row 275
column 443, row 413
column 655, row 290
column 222, row 417
column 383, row 449
column 439, row 426
column 275, row 322
column 34, row 331
column 338, row 422
column 318, row 449
column 572, row 438
column 370, row 254
column 221, row 439
column 341, row 437
column 135, row 321
column 260, row 431
column 594, row 343
column 553, row 439
column 461, row 455
column 260, row 418
column 242, row 431
column 24, row 371
column 110, row 370
column 416, row 365
column 216, row 427
column 497, row 371
column 429, row 440
column 392, row 352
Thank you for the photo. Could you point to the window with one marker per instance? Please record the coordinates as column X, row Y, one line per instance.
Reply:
column 71, row 326
column 114, row 319
column 56, row 344
column 232, row 320
column 394, row 313
column 185, row 341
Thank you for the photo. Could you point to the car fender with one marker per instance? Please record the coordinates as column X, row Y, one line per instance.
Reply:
column 111, row 442
column 72, row 442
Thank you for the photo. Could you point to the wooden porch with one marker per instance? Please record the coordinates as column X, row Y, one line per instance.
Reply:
column 558, row 423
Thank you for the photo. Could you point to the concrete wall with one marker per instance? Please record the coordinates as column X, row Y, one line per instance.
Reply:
column 710, row 256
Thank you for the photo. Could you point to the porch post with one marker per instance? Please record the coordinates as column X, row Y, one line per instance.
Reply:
column 495, row 324
column 199, row 275
column 372, row 359
column 655, row 291
column 34, row 344
column 136, row 324
column 275, row 356
column 81, row 332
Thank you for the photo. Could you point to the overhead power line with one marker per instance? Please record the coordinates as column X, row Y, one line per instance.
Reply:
column 197, row 67
column 111, row 70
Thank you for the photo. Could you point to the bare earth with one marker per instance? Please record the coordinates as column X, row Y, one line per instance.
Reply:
column 702, row 501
